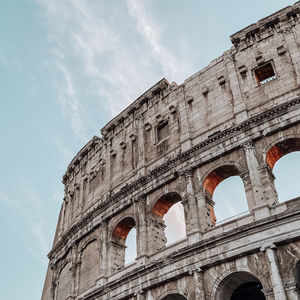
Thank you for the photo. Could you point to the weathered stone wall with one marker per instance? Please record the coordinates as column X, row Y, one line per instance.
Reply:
column 176, row 143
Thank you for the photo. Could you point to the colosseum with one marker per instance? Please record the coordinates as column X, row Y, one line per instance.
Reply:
column 176, row 143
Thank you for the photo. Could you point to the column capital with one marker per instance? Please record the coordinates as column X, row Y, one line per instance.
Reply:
column 195, row 271
column 267, row 246
column 139, row 292
column 248, row 145
column 189, row 173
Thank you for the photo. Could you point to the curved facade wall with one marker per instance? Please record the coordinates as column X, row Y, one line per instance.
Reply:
column 176, row 143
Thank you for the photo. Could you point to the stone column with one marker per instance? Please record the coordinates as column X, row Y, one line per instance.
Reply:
column 185, row 120
column 248, row 189
column 104, row 255
column 192, row 205
column 267, row 181
column 142, row 249
column 83, row 196
column 204, row 212
column 239, row 104
column 140, row 295
column 62, row 219
column 77, row 201
column 199, row 284
column 277, row 284
column 54, row 277
column 74, row 270
column 254, row 174
column 290, row 39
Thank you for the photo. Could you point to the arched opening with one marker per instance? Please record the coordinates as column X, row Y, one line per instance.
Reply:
column 130, row 250
column 118, row 245
column 230, row 198
column 90, row 265
column 240, row 285
column 64, row 282
column 170, row 220
column 174, row 297
column 175, row 223
column 283, row 160
column 225, row 192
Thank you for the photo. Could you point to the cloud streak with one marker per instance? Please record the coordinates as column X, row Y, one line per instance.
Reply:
column 149, row 31
column 112, row 64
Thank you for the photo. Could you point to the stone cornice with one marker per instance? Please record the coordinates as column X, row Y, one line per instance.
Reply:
column 80, row 156
column 162, row 85
column 170, row 164
column 266, row 27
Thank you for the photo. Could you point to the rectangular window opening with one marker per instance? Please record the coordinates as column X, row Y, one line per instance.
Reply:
column 162, row 131
column 265, row 74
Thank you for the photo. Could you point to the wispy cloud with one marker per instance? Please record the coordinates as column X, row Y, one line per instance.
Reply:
column 149, row 31
column 110, row 53
column 69, row 100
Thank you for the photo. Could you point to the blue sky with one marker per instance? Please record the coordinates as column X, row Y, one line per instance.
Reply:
column 66, row 68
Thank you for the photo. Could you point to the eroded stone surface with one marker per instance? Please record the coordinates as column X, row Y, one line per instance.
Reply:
column 237, row 116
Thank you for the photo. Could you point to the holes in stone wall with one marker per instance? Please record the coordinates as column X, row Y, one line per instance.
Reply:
column 264, row 73
column 162, row 131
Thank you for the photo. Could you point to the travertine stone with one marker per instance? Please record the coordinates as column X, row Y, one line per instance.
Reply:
column 176, row 143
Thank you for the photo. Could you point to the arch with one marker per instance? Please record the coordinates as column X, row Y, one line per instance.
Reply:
column 214, row 177
column 239, row 285
column 63, row 287
column 116, row 222
column 275, row 151
column 87, row 242
column 118, row 238
column 89, row 264
column 158, row 223
column 174, row 297
column 121, row 230
column 172, row 294
column 281, row 147
column 162, row 205
column 219, row 173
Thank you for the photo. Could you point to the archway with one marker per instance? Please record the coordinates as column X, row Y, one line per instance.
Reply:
column 225, row 191
column 174, row 297
column 170, row 219
column 283, row 160
column 118, row 245
column 240, row 285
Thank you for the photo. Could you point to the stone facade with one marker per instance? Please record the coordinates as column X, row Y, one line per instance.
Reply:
column 237, row 116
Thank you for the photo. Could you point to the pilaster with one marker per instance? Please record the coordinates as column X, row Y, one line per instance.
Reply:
column 277, row 284
column 254, row 175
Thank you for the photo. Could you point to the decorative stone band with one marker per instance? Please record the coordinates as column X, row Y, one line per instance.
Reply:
column 252, row 122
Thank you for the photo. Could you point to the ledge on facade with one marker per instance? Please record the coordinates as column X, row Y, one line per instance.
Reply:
column 154, row 90
column 264, row 25
column 79, row 156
